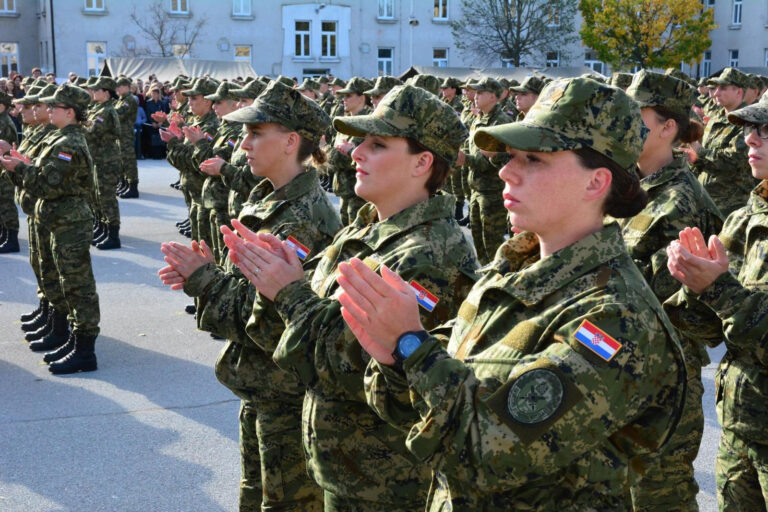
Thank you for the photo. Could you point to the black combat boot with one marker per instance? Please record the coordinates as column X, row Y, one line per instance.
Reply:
column 28, row 317
column 112, row 241
column 190, row 309
column 39, row 320
column 54, row 339
column 44, row 330
column 11, row 243
column 3, row 234
column 98, row 232
column 132, row 192
column 120, row 185
column 102, row 236
column 81, row 359
column 62, row 351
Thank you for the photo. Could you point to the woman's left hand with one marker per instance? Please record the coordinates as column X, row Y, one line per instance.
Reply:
column 377, row 309
column 192, row 133
column 212, row 166
column 694, row 263
column 185, row 260
column 9, row 163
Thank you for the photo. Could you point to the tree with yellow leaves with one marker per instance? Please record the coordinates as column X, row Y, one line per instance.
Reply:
column 646, row 33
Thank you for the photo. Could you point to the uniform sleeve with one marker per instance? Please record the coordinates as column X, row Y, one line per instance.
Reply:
column 57, row 175
column 180, row 154
column 539, row 413
column 239, row 179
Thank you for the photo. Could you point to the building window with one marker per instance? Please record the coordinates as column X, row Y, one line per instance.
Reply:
column 179, row 7
column 180, row 51
column 242, row 53
column 706, row 63
column 94, row 5
column 736, row 12
column 241, row 7
column 710, row 3
column 440, row 57
column 591, row 61
column 553, row 59
column 441, row 10
column 328, row 39
column 386, row 9
column 553, row 17
column 733, row 58
column 9, row 58
column 302, row 39
column 385, row 61
column 7, row 6
column 95, row 55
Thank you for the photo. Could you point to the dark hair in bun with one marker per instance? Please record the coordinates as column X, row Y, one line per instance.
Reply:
column 626, row 197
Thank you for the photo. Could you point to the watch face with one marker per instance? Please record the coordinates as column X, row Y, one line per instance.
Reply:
column 408, row 345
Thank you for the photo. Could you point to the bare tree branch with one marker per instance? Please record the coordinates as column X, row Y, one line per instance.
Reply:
column 165, row 31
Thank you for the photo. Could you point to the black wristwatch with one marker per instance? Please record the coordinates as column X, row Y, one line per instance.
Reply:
column 407, row 344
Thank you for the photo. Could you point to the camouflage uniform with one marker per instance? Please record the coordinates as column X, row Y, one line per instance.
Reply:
column 9, row 215
column 237, row 176
column 126, row 107
column 453, row 183
column 360, row 461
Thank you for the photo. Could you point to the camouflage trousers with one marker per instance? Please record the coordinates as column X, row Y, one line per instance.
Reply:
column 34, row 254
column 107, row 204
column 48, row 273
column 9, row 215
column 488, row 223
column 334, row 503
column 203, row 216
column 130, row 170
column 250, row 463
column 348, row 207
column 741, row 473
column 218, row 218
column 454, row 186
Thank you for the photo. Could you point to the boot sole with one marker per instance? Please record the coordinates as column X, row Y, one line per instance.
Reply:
column 88, row 366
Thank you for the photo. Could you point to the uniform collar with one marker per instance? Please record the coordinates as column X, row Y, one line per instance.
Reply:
column 758, row 199
column 666, row 173
column 265, row 200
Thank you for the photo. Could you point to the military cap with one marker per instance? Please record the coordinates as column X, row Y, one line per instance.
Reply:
column 621, row 80
column 338, row 82
column 180, row 83
column 651, row 89
column 70, row 95
column 573, row 114
column 308, row 85
column 427, row 82
column 356, row 85
column 48, row 90
column 285, row 106
column 286, row 80
column 123, row 80
column 40, row 82
column 757, row 113
column 488, row 84
column 103, row 82
column 730, row 76
column 503, row 81
column 512, row 83
column 755, row 82
column 224, row 92
column 5, row 99
column 204, row 86
column 28, row 81
column 250, row 90
column 410, row 111
column 91, row 80
column 703, row 82
column 532, row 84
column 451, row 82
column 382, row 86
column 467, row 84
column 80, row 81
column 27, row 98
column 323, row 80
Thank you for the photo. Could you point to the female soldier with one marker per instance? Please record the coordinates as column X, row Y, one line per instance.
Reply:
column 283, row 129
column 675, row 200
column 61, row 179
column 729, row 278
column 561, row 365
column 409, row 143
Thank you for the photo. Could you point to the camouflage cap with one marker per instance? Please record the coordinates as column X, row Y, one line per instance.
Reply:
column 322, row 80
column 48, row 90
column 651, row 89
column 26, row 99
column 123, row 80
column 204, row 86
column 69, row 95
column 532, row 84
column 488, row 84
column 513, row 83
column 103, row 82
column 621, row 80
column 28, row 81
column 91, row 80
column 337, row 82
column 573, row 114
column 5, row 99
column 703, row 82
column 675, row 72
column 285, row 106
column 356, row 85
column 80, row 81
column 285, row 80
column 730, row 76
column 425, row 81
column 40, row 82
column 756, row 113
column 468, row 83
column 383, row 85
column 410, row 111
column 503, row 81
column 224, row 92
column 250, row 90
column 308, row 85
column 450, row 82
column 755, row 82
column 179, row 84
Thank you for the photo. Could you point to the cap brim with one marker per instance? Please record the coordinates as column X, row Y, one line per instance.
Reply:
column 360, row 126
column 754, row 114
column 523, row 136
column 252, row 115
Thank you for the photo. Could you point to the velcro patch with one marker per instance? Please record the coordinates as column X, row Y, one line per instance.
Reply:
column 597, row 340
column 65, row 156
column 423, row 297
column 302, row 251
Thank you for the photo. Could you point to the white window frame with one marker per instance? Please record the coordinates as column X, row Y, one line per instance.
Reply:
column 8, row 6
column 736, row 13
column 241, row 8
column 98, row 56
column 93, row 5
column 733, row 58
column 593, row 63
column 385, row 65
column 179, row 6
column 240, row 58
column 441, row 10
column 440, row 62
column 302, row 40
column 706, row 63
column 553, row 17
column 329, row 40
column 552, row 63
column 8, row 57
column 386, row 9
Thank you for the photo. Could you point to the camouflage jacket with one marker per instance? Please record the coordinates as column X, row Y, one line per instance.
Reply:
column 61, row 177
column 722, row 165
column 740, row 300
column 102, row 131
column 31, row 147
column 126, row 107
column 237, row 176
column 181, row 155
column 8, row 129
column 226, row 300
column 556, row 373
column 222, row 143
column 350, row 451
column 483, row 173
column 455, row 103
column 341, row 166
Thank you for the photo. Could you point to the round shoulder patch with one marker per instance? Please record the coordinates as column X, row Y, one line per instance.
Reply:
column 535, row 396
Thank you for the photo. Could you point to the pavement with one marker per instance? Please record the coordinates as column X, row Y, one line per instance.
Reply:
column 152, row 429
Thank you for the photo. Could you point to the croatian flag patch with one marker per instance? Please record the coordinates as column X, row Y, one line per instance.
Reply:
column 208, row 136
column 302, row 251
column 596, row 340
column 65, row 156
column 100, row 119
column 232, row 142
column 425, row 299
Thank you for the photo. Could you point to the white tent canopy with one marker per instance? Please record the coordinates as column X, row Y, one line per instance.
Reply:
column 166, row 69
column 518, row 74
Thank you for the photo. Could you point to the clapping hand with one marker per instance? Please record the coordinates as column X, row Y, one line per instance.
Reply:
column 693, row 262
column 182, row 262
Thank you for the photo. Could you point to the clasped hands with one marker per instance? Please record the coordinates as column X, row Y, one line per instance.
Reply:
column 13, row 159
column 695, row 263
